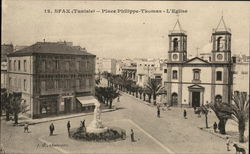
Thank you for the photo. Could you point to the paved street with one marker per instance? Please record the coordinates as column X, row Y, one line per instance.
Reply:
column 170, row 133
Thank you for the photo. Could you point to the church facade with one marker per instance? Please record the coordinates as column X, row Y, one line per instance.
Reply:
column 194, row 82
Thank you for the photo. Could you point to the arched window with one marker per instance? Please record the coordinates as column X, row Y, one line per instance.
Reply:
column 218, row 98
column 219, row 43
column 175, row 44
column 174, row 99
column 196, row 75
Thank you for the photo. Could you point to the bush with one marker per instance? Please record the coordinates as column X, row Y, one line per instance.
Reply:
column 112, row 134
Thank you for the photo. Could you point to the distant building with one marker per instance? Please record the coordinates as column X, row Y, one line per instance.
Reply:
column 147, row 69
column 109, row 65
column 3, row 74
column 19, row 47
column 118, row 67
column 53, row 77
column 130, row 72
column 241, row 77
column 5, row 50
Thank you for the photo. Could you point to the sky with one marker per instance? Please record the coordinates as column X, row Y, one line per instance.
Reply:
column 142, row 35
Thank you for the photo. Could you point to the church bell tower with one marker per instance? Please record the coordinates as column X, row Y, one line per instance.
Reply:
column 221, row 40
column 177, row 44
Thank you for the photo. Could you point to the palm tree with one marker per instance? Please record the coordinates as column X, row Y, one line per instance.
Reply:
column 223, row 112
column 240, row 111
column 123, row 81
column 154, row 87
column 204, row 109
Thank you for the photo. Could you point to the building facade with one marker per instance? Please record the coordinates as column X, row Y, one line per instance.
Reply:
column 52, row 77
column 196, row 81
column 241, row 75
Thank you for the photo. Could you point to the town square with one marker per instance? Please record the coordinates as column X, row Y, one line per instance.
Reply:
column 127, row 77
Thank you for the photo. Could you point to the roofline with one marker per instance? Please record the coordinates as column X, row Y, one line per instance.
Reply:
column 34, row 54
column 197, row 58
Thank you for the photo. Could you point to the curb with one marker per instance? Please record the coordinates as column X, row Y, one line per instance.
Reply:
column 148, row 104
column 63, row 118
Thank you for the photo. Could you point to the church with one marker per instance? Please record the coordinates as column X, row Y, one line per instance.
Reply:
column 194, row 82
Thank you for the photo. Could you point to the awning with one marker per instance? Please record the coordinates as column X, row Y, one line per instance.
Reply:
column 87, row 100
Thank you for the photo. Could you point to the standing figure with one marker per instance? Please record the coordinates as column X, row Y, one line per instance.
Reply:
column 26, row 127
column 185, row 114
column 132, row 136
column 51, row 128
column 68, row 127
column 118, row 99
column 158, row 112
column 215, row 127
column 228, row 143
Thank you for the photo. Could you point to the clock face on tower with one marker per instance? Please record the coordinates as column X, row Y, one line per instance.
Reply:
column 175, row 56
column 219, row 56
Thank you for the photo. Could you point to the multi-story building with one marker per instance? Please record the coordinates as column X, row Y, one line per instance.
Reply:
column 118, row 67
column 109, row 65
column 53, row 77
column 105, row 65
column 196, row 81
column 147, row 69
column 241, row 74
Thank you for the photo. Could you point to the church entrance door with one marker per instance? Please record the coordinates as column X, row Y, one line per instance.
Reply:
column 195, row 99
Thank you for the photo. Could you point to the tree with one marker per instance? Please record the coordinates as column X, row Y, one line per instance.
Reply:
column 223, row 112
column 17, row 105
column 204, row 109
column 123, row 81
column 154, row 87
column 106, row 94
column 5, row 103
column 113, row 94
column 140, row 90
column 240, row 111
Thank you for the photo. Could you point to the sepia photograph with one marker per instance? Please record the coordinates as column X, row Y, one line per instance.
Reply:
column 124, row 77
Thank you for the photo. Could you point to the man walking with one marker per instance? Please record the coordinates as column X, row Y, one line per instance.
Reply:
column 158, row 112
column 51, row 128
column 185, row 114
column 132, row 135
column 215, row 126
column 68, row 127
column 228, row 143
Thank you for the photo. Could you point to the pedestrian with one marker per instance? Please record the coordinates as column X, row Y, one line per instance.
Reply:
column 228, row 143
column 83, row 123
column 185, row 114
column 215, row 127
column 194, row 109
column 26, row 127
column 51, row 128
column 68, row 126
column 132, row 136
column 158, row 112
column 118, row 99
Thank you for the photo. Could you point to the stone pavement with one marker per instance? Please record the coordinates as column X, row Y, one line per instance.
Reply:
column 231, row 126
